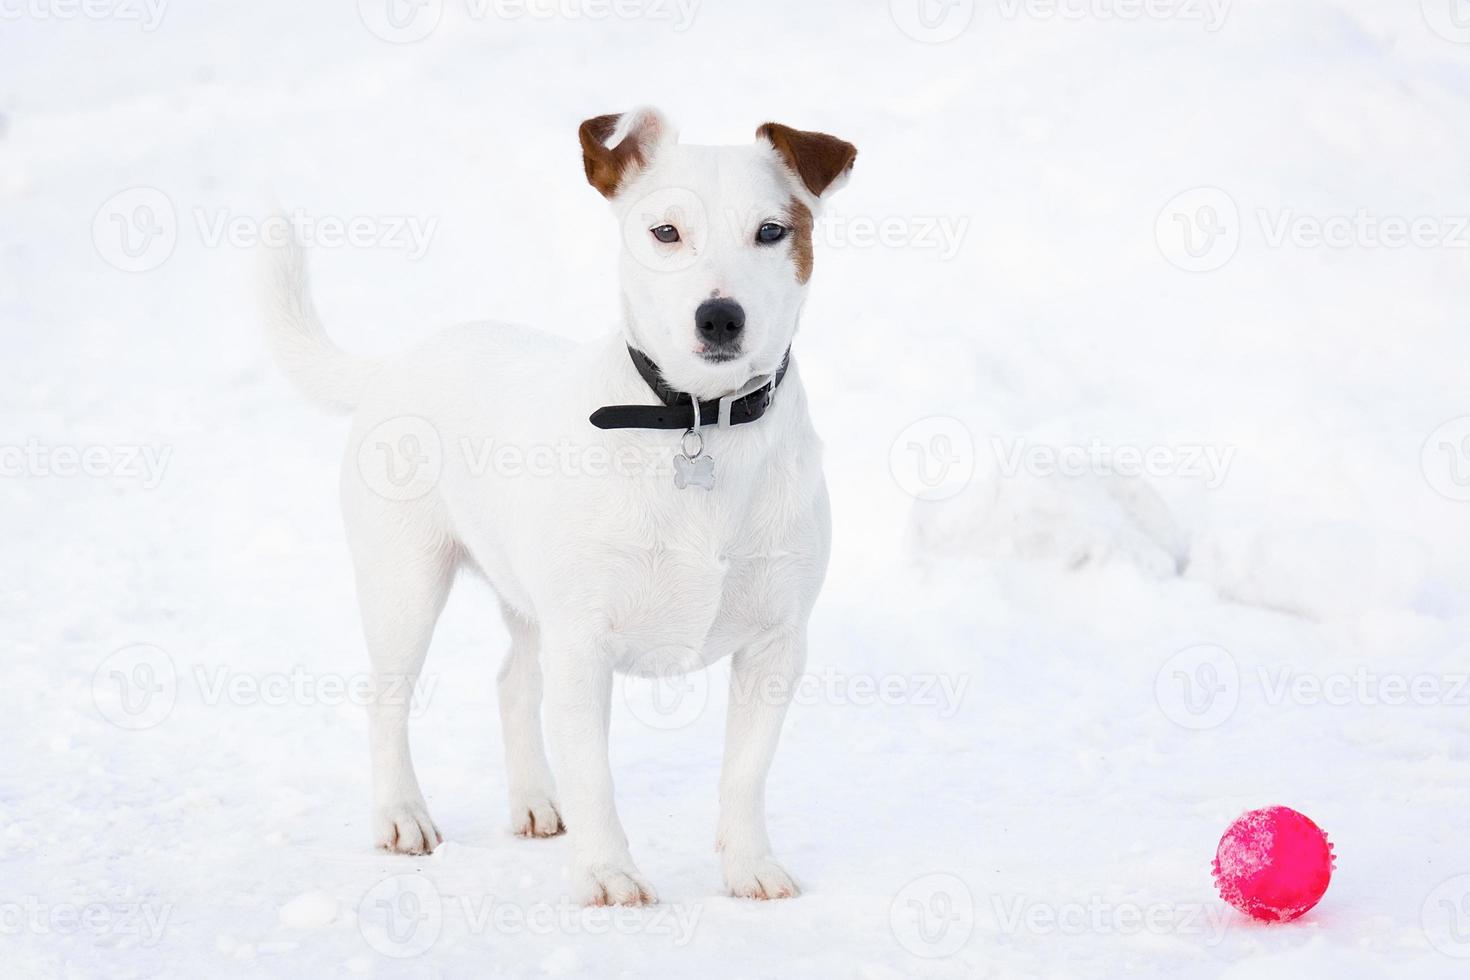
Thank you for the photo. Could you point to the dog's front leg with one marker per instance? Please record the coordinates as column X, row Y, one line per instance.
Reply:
column 578, row 711
column 762, row 681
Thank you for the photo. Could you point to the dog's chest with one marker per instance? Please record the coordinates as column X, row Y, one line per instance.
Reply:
column 682, row 576
column 688, row 581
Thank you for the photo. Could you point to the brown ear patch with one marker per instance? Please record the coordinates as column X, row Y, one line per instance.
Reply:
column 799, row 220
column 606, row 166
column 818, row 159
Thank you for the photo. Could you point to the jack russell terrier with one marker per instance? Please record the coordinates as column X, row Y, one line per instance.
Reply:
column 684, row 519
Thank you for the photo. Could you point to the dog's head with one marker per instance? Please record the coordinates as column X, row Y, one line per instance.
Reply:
column 717, row 240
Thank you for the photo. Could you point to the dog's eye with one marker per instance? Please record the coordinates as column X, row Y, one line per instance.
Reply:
column 667, row 234
column 770, row 232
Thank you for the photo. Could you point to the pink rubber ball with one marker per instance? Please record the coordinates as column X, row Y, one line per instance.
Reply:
column 1273, row 864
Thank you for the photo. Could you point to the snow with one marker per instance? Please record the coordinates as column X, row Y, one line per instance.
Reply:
column 1184, row 533
column 314, row 909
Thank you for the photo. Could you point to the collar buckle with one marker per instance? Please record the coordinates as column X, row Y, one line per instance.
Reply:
column 751, row 387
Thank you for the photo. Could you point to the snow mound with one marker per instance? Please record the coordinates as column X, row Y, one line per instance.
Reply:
column 1079, row 521
column 314, row 909
column 1321, row 571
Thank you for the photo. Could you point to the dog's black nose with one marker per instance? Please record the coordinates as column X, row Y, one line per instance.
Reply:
column 719, row 323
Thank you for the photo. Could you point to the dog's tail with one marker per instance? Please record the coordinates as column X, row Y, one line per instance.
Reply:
column 329, row 376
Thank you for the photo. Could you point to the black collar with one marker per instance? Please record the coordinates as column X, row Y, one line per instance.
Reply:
column 677, row 410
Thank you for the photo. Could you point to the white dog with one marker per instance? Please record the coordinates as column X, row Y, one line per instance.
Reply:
column 649, row 539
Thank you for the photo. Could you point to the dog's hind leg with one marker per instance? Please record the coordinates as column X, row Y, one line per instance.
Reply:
column 404, row 571
column 532, row 791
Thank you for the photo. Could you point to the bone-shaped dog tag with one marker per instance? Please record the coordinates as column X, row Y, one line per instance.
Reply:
column 693, row 468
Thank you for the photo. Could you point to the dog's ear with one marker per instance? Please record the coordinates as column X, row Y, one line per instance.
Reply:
column 615, row 146
column 821, row 161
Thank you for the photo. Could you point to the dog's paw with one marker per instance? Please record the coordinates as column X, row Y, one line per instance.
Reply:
column 760, row 878
column 611, row 884
column 535, row 815
column 405, row 828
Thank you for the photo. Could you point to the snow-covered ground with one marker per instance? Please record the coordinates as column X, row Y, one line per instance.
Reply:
column 1139, row 344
